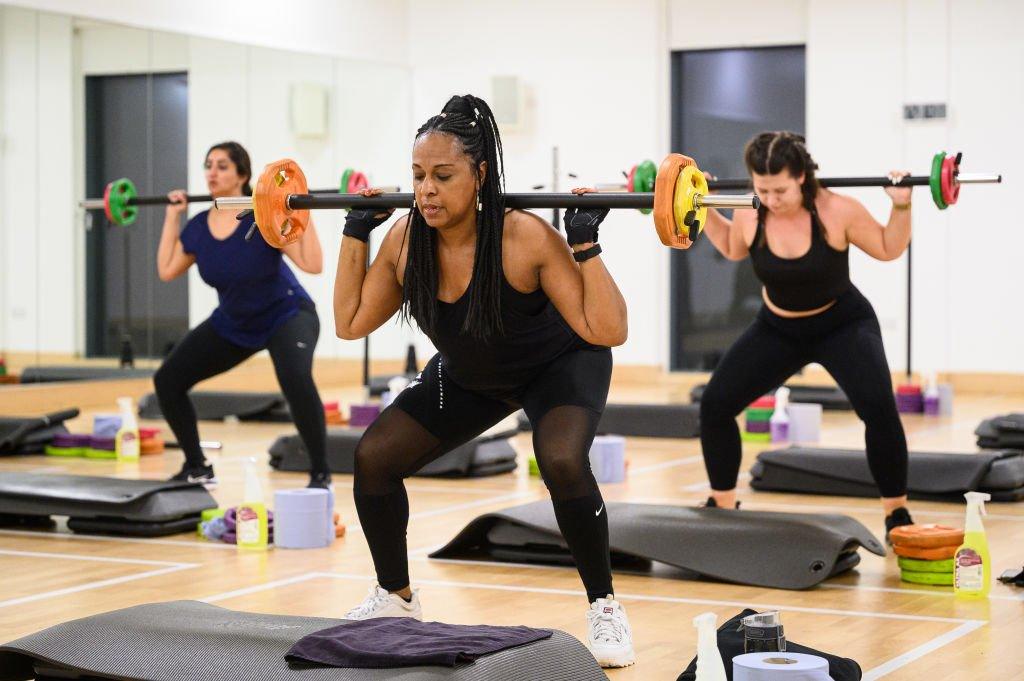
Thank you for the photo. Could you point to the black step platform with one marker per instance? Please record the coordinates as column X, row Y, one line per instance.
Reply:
column 937, row 476
column 103, row 505
column 488, row 454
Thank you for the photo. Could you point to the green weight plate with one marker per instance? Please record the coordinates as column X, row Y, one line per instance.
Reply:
column 344, row 181
column 643, row 180
column 935, row 180
column 116, row 198
column 930, row 578
column 758, row 414
column 915, row 565
column 755, row 437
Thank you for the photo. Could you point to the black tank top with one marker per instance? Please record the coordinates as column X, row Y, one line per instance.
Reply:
column 808, row 282
column 534, row 334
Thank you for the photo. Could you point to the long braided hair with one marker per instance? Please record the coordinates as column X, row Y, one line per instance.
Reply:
column 469, row 120
column 769, row 153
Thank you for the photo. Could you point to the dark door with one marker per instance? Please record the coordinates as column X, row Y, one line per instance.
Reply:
column 136, row 127
column 720, row 99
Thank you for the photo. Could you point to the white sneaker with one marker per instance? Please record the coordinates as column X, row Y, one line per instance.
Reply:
column 609, row 637
column 380, row 603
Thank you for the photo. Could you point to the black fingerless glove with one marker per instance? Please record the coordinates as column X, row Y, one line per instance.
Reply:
column 361, row 221
column 581, row 224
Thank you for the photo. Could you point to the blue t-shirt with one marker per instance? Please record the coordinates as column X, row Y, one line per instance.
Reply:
column 257, row 290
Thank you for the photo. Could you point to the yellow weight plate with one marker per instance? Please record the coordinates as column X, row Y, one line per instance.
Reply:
column 690, row 184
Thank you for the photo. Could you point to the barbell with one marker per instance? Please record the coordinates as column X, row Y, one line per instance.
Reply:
column 121, row 201
column 944, row 180
column 678, row 197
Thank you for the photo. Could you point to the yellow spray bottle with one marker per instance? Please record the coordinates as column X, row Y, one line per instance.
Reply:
column 972, row 567
column 251, row 520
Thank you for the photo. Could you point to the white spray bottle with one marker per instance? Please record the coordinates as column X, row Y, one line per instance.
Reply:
column 709, row 660
column 779, row 422
column 972, row 568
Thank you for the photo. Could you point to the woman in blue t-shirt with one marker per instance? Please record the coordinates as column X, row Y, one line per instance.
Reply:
column 261, row 306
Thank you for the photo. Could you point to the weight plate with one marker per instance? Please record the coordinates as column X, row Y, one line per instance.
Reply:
column 357, row 182
column 664, row 195
column 279, row 224
column 690, row 184
column 630, row 185
column 344, row 181
column 643, row 181
column 950, row 187
column 116, row 198
column 935, row 180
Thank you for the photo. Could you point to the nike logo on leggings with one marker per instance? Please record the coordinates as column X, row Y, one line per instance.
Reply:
column 599, row 511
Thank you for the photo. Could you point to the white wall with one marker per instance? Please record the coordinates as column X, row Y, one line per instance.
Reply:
column 37, row 235
column 373, row 31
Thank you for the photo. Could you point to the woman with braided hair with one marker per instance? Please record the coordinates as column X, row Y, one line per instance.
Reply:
column 798, row 243
column 520, row 318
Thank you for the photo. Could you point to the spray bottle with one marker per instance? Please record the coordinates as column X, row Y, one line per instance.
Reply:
column 972, row 567
column 779, row 422
column 127, row 444
column 709, row 660
column 251, row 521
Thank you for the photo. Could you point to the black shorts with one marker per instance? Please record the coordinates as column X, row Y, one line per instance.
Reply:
column 455, row 415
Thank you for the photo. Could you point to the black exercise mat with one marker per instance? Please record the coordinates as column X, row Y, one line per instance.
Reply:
column 777, row 550
column 481, row 456
column 30, row 434
column 216, row 406
column 1001, row 432
column 85, row 496
column 643, row 420
column 730, row 644
column 191, row 641
column 830, row 398
column 931, row 475
column 54, row 374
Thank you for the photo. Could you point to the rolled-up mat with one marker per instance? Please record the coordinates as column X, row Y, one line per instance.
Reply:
column 779, row 666
column 931, row 475
column 304, row 518
column 778, row 550
column 191, row 641
column 829, row 397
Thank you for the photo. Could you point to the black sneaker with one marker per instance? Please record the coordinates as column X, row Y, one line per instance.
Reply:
column 898, row 518
column 711, row 503
column 320, row 480
column 201, row 474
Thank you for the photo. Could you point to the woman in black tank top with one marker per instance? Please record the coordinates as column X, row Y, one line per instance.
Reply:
column 517, row 324
column 798, row 244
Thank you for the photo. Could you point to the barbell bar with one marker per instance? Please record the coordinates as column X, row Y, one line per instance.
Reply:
column 679, row 201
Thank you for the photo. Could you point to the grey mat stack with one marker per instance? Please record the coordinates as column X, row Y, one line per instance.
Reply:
column 481, row 456
column 829, row 397
column 776, row 550
column 1001, row 432
column 103, row 505
column 644, row 420
column 931, row 475
column 216, row 406
column 53, row 374
column 191, row 641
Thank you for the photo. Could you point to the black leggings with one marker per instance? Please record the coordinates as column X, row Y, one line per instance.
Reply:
column 434, row 415
column 204, row 353
column 847, row 341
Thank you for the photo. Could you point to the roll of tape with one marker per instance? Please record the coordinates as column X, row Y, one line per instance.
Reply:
column 779, row 667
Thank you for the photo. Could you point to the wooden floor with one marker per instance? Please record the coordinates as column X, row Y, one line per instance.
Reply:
column 894, row 630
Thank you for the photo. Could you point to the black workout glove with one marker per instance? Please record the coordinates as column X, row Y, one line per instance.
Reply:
column 361, row 221
column 581, row 224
